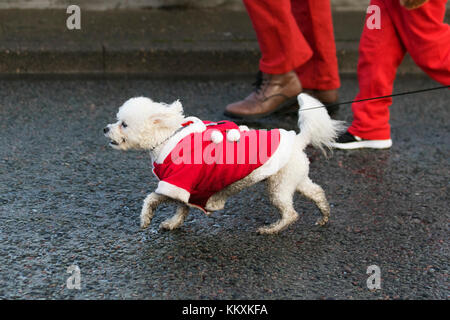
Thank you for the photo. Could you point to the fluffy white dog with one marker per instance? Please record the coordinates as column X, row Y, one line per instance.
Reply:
column 160, row 128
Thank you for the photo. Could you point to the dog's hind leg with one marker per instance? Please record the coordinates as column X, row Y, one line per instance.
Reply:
column 177, row 220
column 281, row 189
column 315, row 192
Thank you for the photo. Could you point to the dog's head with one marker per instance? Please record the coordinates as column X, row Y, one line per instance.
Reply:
column 143, row 124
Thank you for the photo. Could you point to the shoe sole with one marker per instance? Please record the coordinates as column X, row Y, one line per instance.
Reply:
column 288, row 103
column 371, row 144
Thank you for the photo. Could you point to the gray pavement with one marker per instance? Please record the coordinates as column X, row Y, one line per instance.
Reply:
column 66, row 198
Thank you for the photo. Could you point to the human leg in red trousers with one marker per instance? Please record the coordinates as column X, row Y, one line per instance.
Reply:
column 283, row 46
column 380, row 53
column 314, row 20
column 285, row 49
column 423, row 34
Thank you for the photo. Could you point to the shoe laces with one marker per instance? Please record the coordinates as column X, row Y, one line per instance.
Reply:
column 261, row 81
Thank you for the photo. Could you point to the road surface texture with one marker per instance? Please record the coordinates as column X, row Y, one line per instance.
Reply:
column 66, row 198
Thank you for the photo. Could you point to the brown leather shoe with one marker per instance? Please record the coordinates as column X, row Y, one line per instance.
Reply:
column 273, row 92
column 327, row 97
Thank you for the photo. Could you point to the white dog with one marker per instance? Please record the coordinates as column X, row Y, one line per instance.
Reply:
column 164, row 131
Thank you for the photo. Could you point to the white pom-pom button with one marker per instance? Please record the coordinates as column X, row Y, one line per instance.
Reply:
column 216, row 136
column 244, row 128
column 233, row 135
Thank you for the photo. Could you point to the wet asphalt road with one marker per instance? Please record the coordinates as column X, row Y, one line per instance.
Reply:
column 66, row 198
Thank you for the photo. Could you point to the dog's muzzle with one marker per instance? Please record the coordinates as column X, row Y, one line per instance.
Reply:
column 112, row 141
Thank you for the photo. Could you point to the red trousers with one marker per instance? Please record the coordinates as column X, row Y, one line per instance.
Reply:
column 296, row 35
column 420, row 32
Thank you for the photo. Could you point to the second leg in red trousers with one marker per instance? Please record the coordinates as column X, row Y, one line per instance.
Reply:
column 380, row 53
column 314, row 20
column 423, row 34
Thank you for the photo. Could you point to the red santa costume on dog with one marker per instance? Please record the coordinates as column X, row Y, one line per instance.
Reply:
column 205, row 157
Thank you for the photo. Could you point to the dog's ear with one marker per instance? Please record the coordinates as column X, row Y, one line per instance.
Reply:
column 176, row 106
column 163, row 120
column 157, row 118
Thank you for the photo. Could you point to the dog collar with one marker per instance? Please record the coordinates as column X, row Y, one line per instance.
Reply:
column 183, row 125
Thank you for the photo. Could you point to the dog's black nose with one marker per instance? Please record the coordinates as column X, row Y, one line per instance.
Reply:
column 105, row 129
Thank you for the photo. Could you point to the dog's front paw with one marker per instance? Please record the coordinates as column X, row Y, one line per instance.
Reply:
column 322, row 221
column 145, row 221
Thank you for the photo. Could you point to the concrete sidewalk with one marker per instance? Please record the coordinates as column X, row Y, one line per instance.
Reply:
column 148, row 42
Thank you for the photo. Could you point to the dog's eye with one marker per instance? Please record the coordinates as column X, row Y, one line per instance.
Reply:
column 124, row 125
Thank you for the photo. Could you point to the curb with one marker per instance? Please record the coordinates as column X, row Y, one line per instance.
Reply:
column 154, row 43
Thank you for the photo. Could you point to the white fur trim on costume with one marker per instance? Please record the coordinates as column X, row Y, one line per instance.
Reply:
column 279, row 158
column 196, row 127
column 172, row 191
column 216, row 136
column 233, row 135
column 244, row 128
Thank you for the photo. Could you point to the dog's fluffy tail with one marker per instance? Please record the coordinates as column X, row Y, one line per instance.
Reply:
column 316, row 126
